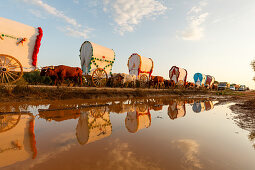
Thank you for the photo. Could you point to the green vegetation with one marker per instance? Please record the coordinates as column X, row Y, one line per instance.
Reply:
column 34, row 78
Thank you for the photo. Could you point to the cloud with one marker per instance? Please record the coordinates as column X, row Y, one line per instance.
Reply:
column 190, row 150
column 76, row 29
column 129, row 13
column 195, row 30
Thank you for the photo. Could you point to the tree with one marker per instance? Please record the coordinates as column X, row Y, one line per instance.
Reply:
column 253, row 66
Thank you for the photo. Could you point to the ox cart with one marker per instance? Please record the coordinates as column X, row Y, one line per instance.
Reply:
column 96, row 62
column 141, row 67
column 199, row 79
column 178, row 76
column 19, row 48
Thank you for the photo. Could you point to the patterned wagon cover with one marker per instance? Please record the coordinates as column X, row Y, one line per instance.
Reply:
column 209, row 80
column 21, row 42
column 139, row 65
column 178, row 75
column 95, row 56
column 199, row 79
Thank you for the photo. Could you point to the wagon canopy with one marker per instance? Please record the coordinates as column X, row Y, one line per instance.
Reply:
column 199, row 79
column 209, row 80
column 21, row 42
column 95, row 56
column 178, row 75
column 140, row 65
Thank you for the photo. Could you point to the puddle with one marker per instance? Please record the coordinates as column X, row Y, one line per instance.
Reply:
column 159, row 133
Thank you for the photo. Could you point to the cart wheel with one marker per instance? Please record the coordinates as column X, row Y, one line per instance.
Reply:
column 8, row 121
column 143, row 80
column 11, row 69
column 99, row 77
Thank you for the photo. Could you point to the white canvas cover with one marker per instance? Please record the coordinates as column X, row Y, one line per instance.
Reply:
column 139, row 65
column 178, row 75
column 137, row 120
column 15, row 143
column 93, row 125
column 11, row 32
column 95, row 56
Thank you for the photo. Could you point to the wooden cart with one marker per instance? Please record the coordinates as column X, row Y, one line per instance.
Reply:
column 96, row 62
column 140, row 66
column 19, row 48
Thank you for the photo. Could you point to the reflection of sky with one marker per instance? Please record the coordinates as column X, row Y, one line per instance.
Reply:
column 198, row 140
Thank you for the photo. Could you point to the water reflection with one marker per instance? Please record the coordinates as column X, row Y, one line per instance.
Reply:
column 200, row 106
column 17, row 138
column 176, row 109
column 99, row 135
column 93, row 125
column 138, row 119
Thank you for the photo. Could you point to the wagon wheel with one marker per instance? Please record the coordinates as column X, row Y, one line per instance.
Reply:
column 99, row 77
column 8, row 122
column 11, row 69
column 143, row 80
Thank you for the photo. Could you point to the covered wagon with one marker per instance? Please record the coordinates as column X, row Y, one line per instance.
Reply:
column 178, row 75
column 199, row 79
column 198, row 106
column 209, row 81
column 141, row 67
column 97, row 62
column 19, row 46
column 94, row 124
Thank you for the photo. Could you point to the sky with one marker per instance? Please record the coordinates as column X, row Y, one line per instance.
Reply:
column 213, row 37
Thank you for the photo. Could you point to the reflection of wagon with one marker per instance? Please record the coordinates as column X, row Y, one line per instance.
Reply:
column 94, row 124
column 96, row 61
column 19, row 48
column 178, row 75
column 16, row 143
column 140, row 66
column 138, row 119
column 176, row 109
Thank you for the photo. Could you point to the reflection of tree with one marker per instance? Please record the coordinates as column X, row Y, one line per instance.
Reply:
column 253, row 66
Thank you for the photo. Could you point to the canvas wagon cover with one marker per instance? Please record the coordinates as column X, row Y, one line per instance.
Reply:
column 11, row 35
column 178, row 75
column 199, row 79
column 95, row 56
column 209, row 80
column 138, row 64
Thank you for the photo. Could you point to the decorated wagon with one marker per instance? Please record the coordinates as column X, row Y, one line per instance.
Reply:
column 19, row 46
column 178, row 75
column 199, row 79
column 138, row 119
column 96, row 61
column 94, row 124
column 141, row 67
column 209, row 81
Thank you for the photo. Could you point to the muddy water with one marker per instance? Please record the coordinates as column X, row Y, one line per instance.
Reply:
column 134, row 134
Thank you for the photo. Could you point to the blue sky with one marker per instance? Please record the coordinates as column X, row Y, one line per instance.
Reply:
column 214, row 37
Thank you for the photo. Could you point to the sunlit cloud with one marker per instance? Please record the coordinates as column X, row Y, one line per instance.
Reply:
column 129, row 13
column 77, row 30
column 190, row 150
column 195, row 17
